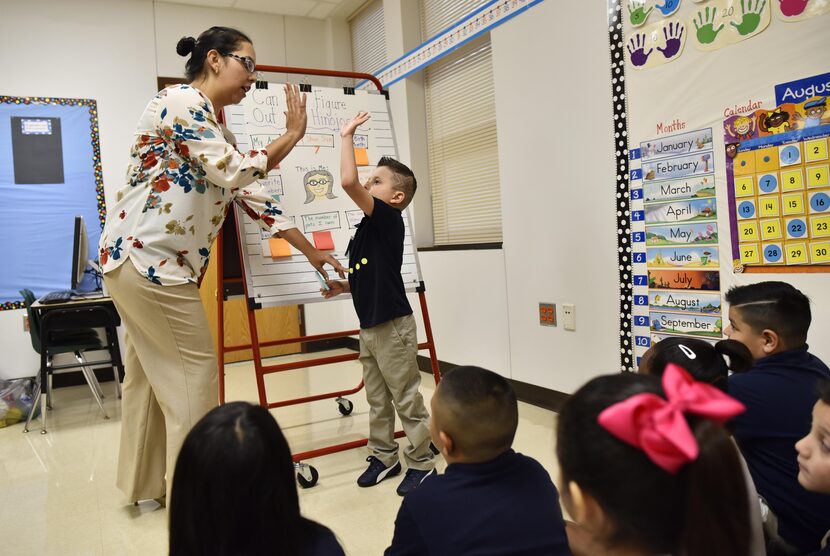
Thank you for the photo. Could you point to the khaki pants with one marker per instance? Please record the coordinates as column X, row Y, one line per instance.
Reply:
column 170, row 378
column 388, row 353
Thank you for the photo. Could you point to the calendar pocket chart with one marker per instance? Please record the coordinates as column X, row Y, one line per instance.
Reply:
column 779, row 189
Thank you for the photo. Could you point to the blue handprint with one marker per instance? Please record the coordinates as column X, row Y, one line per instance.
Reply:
column 668, row 7
column 673, row 34
column 750, row 17
column 706, row 32
column 636, row 49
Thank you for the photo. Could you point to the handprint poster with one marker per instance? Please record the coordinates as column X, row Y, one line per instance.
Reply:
column 728, row 147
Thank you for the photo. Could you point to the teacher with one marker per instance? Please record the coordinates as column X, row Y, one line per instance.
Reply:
column 182, row 177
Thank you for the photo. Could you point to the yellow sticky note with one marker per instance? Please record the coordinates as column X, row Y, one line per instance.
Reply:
column 818, row 176
column 361, row 157
column 768, row 205
column 820, row 251
column 771, row 229
column 279, row 247
column 744, row 186
column 792, row 179
column 749, row 254
column 815, row 149
column 747, row 231
column 793, row 203
column 820, row 226
column 797, row 253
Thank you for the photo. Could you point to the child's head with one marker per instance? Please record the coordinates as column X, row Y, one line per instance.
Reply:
column 233, row 489
column 393, row 183
column 701, row 359
column 474, row 415
column 768, row 317
column 814, row 449
column 662, row 496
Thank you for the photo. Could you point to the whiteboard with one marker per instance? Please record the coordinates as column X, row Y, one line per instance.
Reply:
column 307, row 185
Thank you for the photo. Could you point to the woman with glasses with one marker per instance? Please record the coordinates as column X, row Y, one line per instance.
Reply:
column 182, row 177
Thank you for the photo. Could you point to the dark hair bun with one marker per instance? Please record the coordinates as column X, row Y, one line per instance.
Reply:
column 185, row 46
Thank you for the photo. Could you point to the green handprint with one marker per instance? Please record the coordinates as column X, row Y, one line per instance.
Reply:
column 751, row 17
column 705, row 25
column 639, row 14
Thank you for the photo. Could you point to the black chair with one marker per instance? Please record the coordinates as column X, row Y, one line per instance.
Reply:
column 70, row 330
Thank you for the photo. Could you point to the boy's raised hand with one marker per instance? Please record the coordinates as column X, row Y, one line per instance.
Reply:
column 349, row 128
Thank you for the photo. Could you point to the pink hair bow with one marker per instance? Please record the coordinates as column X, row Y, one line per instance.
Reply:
column 658, row 426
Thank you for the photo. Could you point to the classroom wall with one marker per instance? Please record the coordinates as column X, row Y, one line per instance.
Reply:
column 113, row 52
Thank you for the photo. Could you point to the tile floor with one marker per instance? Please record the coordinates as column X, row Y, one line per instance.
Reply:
column 58, row 494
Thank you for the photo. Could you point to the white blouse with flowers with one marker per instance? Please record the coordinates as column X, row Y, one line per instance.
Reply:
column 181, row 179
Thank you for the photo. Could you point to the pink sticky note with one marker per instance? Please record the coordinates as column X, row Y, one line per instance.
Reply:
column 323, row 241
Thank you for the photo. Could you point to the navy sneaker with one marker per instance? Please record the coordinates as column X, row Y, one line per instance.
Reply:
column 412, row 479
column 376, row 472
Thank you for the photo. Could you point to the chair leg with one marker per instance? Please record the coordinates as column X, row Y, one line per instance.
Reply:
column 89, row 375
column 49, row 391
column 42, row 414
column 34, row 404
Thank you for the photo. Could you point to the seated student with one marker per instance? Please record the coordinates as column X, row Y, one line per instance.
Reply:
column 779, row 391
column 234, row 491
column 490, row 499
column 705, row 362
column 649, row 470
column 814, row 453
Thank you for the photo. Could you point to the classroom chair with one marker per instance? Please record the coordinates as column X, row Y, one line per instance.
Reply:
column 69, row 330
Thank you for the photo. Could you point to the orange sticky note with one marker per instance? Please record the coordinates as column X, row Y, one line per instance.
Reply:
column 323, row 240
column 361, row 157
column 279, row 247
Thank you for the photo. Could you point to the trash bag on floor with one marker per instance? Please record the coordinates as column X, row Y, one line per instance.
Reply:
column 16, row 398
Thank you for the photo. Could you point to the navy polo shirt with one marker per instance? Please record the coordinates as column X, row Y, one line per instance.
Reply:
column 375, row 260
column 508, row 505
column 779, row 393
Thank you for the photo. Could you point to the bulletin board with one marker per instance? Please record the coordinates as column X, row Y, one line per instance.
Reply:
column 50, row 172
column 723, row 133
column 307, row 186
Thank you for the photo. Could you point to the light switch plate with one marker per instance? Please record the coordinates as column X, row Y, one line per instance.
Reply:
column 569, row 316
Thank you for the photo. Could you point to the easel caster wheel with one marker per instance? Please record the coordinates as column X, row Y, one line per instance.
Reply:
column 307, row 476
column 345, row 406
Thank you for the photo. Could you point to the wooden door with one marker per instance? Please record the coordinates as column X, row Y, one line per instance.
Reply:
column 273, row 323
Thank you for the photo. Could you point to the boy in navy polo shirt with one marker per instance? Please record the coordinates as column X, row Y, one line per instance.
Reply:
column 779, row 392
column 388, row 338
column 814, row 452
column 490, row 500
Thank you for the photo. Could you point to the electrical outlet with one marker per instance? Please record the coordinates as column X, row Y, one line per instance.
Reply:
column 547, row 314
column 569, row 316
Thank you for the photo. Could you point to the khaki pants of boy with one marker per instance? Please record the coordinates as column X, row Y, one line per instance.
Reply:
column 389, row 352
column 170, row 377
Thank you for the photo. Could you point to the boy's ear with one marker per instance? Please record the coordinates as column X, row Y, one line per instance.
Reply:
column 772, row 341
column 398, row 197
column 447, row 443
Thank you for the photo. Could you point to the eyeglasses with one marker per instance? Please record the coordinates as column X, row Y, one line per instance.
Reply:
column 323, row 181
column 246, row 61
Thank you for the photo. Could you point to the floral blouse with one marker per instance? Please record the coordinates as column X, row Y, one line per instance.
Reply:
column 182, row 176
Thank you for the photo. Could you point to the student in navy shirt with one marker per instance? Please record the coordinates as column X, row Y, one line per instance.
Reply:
column 779, row 392
column 814, row 451
column 388, row 337
column 490, row 500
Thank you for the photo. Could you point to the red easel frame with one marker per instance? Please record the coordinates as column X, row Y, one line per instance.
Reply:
column 255, row 345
